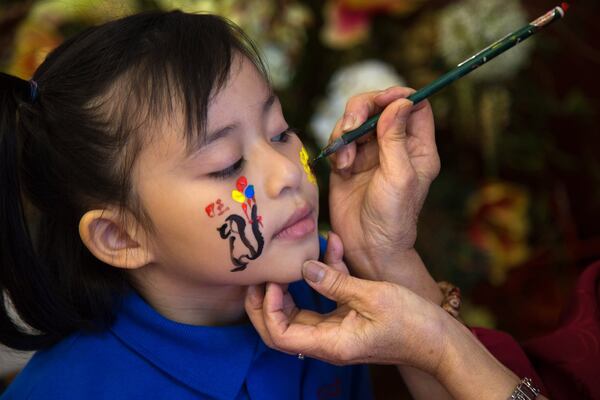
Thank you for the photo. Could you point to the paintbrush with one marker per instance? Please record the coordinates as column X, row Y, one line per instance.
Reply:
column 462, row 69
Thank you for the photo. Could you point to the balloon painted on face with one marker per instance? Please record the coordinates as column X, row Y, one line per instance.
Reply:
column 244, row 194
column 235, row 227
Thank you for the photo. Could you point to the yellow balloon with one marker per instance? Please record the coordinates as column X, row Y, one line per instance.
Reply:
column 238, row 196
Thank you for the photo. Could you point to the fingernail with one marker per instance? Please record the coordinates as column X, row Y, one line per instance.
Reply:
column 254, row 295
column 313, row 271
column 400, row 115
column 342, row 159
column 348, row 122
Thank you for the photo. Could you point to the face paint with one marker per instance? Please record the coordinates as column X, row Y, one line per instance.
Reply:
column 307, row 169
column 227, row 230
column 216, row 208
column 235, row 226
column 244, row 194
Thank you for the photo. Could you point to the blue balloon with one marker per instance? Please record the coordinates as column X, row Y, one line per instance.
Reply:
column 249, row 192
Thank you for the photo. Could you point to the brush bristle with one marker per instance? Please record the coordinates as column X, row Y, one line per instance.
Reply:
column 564, row 6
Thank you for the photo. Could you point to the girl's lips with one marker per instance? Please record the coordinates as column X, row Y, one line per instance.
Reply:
column 300, row 224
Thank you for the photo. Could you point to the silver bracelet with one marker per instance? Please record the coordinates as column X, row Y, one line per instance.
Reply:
column 525, row 391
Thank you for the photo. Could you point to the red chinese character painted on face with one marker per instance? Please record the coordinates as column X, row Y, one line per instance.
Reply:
column 221, row 208
column 210, row 210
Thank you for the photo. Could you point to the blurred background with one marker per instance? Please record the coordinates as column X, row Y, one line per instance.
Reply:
column 514, row 215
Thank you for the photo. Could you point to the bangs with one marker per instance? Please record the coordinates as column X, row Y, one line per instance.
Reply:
column 177, row 63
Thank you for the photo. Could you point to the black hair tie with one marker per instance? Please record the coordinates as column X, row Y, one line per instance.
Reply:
column 33, row 90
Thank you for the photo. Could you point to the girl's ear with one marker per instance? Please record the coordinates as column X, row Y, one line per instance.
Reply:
column 103, row 233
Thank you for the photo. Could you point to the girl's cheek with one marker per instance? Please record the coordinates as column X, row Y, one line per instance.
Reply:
column 242, row 223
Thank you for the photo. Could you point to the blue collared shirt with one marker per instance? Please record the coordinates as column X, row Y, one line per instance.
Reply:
column 146, row 356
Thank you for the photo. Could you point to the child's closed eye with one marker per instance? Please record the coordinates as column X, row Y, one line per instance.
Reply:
column 284, row 136
column 229, row 171
column 237, row 166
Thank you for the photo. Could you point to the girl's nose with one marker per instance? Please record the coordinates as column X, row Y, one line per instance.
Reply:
column 282, row 173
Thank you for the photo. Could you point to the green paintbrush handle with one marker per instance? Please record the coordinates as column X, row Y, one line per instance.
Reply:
column 461, row 70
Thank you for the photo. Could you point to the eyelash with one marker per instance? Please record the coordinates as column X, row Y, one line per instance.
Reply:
column 229, row 171
column 284, row 136
column 237, row 166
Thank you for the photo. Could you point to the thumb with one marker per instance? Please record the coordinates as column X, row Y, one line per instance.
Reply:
column 333, row 284
column 334, row 255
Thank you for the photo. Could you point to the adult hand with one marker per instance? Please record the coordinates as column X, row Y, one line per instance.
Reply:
column 376, row 322
column 377, row 187
column 379, row 322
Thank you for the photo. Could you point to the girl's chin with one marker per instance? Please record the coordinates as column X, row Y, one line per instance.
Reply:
column 283, row 277
column 285, row 268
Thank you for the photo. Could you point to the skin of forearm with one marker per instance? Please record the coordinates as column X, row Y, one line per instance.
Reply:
column 422, row 386
column 468, row 370
column 407, row 269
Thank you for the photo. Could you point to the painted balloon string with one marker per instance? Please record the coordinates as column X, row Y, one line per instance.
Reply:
column 244, row 194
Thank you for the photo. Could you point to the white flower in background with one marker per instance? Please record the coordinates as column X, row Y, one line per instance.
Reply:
column 467, row 27
column 278, row 64
column 361, row 77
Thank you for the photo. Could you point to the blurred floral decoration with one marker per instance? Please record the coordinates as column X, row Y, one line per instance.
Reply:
column 468, row 26
column 277, row 27
column 47, row 24
column 499, row 226
column 516, row 200
column 363, row 76
column 348, row 22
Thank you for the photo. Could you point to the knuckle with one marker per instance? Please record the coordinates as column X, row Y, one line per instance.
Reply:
column 277, row 342
column 407, row 182
column 343, row 355
column 337, row 284
column 360, row 105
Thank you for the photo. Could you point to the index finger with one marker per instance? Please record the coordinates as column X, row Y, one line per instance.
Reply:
column 289, row 332
column 358, row 109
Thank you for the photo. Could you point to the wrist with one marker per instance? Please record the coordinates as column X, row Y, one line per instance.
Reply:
column 404, row 267
column 375, row 262
column 468, row 371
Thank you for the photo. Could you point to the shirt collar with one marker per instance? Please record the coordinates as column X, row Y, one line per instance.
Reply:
column 212, row 360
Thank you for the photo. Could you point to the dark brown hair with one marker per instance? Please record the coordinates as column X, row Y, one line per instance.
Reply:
column 70, row 148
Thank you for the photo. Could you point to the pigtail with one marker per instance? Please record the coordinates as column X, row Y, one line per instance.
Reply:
column 20, row 269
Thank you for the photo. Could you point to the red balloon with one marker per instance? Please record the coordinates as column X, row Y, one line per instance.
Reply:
column 241, row 184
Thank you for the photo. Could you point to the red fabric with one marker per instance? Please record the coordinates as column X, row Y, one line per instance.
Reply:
column 506, row 349
column 568, row 359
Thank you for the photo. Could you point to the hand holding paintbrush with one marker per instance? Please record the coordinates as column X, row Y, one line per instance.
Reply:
column 378, row 187
column 461, row 70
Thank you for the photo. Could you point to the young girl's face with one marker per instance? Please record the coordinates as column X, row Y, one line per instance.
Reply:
column 241, row 208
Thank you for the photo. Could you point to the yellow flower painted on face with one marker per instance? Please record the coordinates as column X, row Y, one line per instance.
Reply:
column 304, row 161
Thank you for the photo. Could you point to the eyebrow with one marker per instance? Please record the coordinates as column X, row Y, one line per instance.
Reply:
column 224, row 131
column 218, row 134
column 269, row 102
